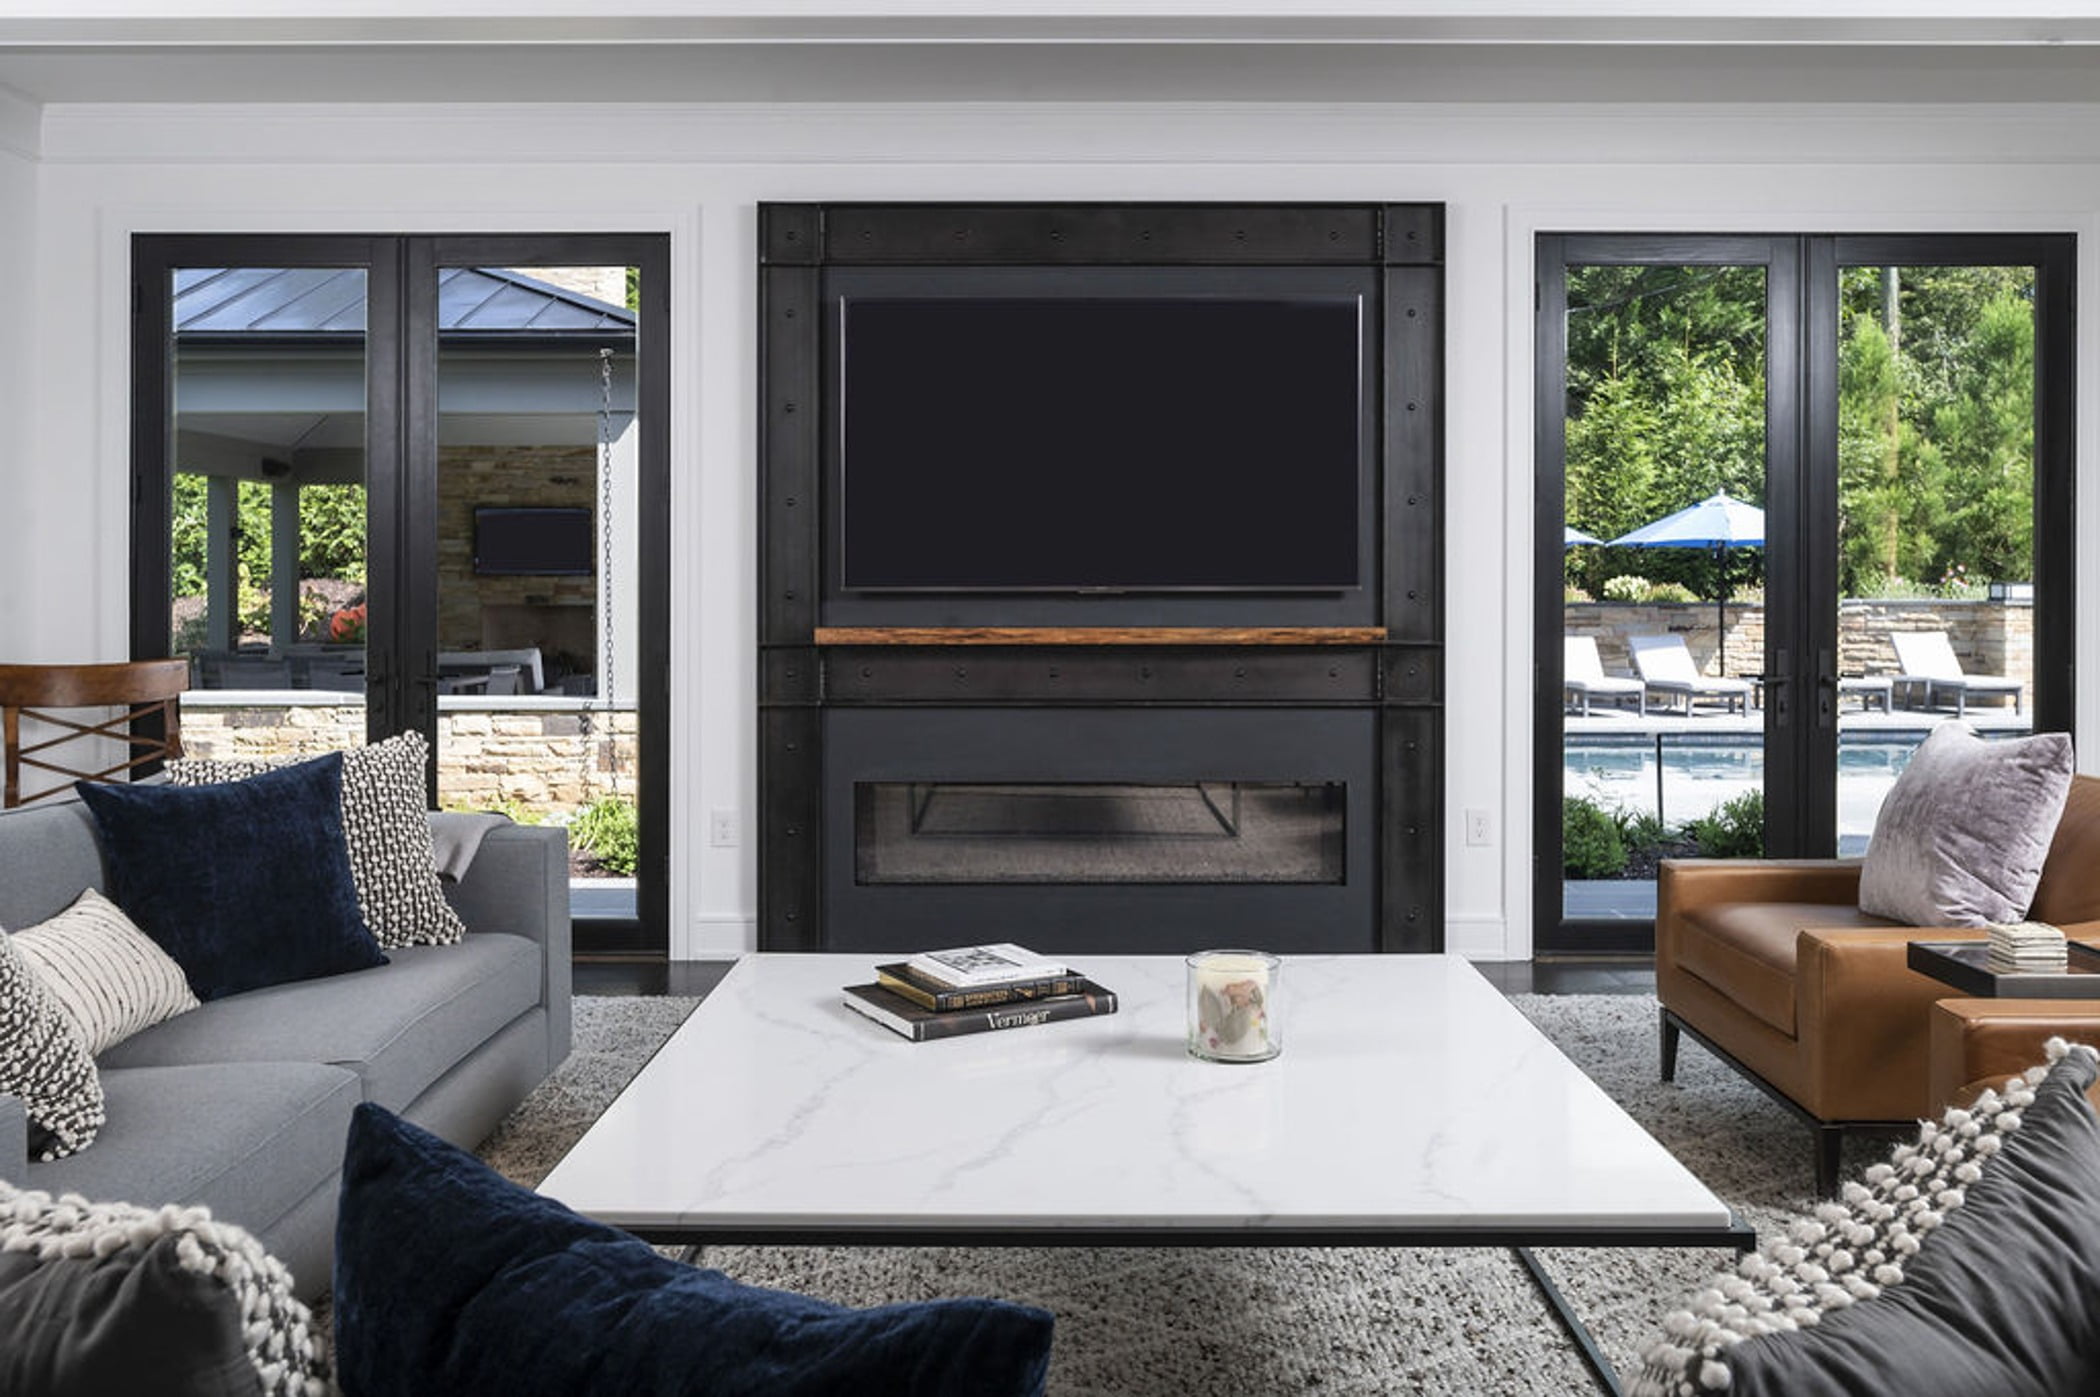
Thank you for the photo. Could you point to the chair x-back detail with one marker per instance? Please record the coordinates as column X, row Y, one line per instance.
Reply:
column 55, row 695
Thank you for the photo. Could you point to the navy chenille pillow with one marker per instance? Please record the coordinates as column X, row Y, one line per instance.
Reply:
column 451, row 1279
column 245, row 884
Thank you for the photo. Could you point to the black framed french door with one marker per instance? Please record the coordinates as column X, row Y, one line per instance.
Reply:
column 1743, row 468
column 330, row 436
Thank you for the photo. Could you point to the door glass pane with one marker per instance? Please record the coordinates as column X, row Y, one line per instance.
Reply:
column 537, row 565
column 1935, row 517
column 267, row 515
column 1663, row 617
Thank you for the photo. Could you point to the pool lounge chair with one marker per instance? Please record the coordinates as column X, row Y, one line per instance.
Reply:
column 1928, row 665
column 1582, row 677
column 1666, row 669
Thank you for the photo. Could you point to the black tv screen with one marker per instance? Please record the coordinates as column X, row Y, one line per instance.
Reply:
column 1109, row 443
column 543, row 542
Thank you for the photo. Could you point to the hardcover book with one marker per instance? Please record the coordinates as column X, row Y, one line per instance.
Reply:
column 899, row 1015
column 899, row 978
column 973, row 967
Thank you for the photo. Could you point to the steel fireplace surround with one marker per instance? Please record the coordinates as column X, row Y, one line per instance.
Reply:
column 1100, row 551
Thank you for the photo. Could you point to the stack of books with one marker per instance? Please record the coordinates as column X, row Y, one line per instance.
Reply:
column 2030, row 946
column 972, row 989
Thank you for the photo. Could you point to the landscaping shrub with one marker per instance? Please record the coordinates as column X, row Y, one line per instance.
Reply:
column 1670, row 591
column 1734, row 831
column 608, row 829
column 1625, row 587
column 1590, row 844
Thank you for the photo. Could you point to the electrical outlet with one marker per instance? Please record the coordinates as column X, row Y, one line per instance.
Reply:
column 1480, row 828
column 721, row 829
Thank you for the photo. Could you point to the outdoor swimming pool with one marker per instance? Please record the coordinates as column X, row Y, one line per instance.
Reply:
column 1684, row 775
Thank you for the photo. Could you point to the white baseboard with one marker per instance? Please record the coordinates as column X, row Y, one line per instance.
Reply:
column 1478, row 938
column 716, row 938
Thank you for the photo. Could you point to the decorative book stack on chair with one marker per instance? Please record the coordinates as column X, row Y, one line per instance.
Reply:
column 1772, row 964
column 146, row 692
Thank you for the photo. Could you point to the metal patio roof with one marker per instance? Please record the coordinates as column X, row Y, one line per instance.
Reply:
column 308, row 301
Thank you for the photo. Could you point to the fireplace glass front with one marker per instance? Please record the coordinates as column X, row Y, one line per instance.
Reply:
column 1194, row 831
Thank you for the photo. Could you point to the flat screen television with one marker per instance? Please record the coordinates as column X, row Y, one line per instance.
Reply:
column 516, row 541
column 1104, row 443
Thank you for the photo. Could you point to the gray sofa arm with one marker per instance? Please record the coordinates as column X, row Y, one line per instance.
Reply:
column 14, row 1140
column 519, row 883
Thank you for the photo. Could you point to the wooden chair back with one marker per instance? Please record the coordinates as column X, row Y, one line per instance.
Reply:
column 53, row 695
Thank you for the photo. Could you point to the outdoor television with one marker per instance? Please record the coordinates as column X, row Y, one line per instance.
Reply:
column 532, row 542
column 1084, row 443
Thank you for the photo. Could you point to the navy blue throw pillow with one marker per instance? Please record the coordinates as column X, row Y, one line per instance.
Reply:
column 451, row 1279
column 245, row 884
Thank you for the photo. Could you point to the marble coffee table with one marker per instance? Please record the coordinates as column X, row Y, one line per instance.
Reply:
column 1411, row 1106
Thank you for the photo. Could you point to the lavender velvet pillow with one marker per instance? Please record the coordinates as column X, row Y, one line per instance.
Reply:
column 1961, row 838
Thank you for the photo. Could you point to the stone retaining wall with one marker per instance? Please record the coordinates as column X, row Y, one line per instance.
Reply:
column 545, row 761
column 1990, row 637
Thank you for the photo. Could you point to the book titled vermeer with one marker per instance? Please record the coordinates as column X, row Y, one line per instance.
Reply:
column 899, row 1015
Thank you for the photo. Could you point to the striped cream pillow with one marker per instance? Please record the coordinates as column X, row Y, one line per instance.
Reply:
column 111, row 978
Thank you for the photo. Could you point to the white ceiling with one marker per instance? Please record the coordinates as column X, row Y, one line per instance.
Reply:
column 98, row 51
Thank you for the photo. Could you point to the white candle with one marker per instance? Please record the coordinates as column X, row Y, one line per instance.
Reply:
column 1232, row 1005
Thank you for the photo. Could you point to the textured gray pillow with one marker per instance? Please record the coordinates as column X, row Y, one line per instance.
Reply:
column 1963, row 1266
column 113, row 1298
column 387, row 831
column 1961, row 838
column 45, row 1062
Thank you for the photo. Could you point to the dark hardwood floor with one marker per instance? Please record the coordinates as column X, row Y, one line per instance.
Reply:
column 1588, row 976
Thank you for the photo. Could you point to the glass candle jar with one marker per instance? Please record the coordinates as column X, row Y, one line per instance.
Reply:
column 1232, row 1006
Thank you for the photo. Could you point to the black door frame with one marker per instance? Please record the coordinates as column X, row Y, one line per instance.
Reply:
column 401, row 347
column 1801, row 436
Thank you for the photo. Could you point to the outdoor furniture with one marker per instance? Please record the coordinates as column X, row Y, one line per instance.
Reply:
column 521, row 668
column 1928, row 662
column 1869, row 689
column 51, row 695
column 1666, row 667
column 1583, row 677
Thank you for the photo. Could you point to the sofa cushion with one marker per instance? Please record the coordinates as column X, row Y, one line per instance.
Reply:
column 1965, row 1265
column 52, row 853
column 385, row 824
column 1746, row 950
column 1961, row 838
column 2069, row 892
column 451, row 1279
column 102, row 1297
column 246, row 1139
column 108, row 976
column 245, row 884
column 45, row 1062
column 399, row 1027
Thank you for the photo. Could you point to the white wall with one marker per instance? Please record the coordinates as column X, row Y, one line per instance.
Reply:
column 18, row 203
column 697, row 172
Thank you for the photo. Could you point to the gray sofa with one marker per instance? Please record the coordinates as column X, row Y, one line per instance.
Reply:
column 243, row 1104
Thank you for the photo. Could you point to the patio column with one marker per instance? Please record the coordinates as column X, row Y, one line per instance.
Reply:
column 284, row 564
column 221, row 593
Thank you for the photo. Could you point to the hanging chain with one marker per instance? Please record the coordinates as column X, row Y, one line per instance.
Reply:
column 606, row 628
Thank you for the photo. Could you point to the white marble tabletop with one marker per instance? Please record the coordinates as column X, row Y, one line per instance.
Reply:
column 1409, row 1095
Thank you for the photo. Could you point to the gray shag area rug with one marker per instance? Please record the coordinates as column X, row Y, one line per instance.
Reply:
column 1242, row 1322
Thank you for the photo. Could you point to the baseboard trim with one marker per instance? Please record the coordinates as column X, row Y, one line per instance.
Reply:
column 1478, row 938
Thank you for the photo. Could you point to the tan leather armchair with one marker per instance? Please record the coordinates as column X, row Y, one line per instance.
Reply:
column 1771, row 964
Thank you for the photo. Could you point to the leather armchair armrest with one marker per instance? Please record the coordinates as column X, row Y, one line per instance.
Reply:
column 1683, row 885
column 1866, row 1058
column 14, row 1140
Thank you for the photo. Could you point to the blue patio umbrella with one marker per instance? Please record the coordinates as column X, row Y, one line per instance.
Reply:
column 1719, row 522
column 1570, row 536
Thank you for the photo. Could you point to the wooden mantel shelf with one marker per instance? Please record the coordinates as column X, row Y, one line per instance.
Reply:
column 1099, row 635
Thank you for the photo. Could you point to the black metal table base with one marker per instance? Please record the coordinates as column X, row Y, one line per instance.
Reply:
column 1736, row 1236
